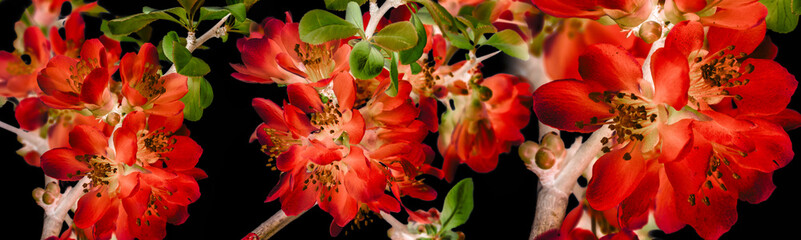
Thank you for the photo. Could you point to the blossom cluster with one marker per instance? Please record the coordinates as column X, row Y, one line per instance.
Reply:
column 122, row 139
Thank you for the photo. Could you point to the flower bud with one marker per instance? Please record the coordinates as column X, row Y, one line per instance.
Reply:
column 484, row 93
column 544, row 158
column 527, row 150
column 53, row 188
column 48, row 198
column 553, row 142
column 37, row 194
column 112, row 119
column 650, row 31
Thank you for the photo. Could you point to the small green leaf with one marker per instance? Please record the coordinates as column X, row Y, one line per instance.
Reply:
column 510, row 43
column 483, row 11
column 319, row 26
column 458, row 205
column 439, row 14
column 415, row 68
column 129, row 24
column 212, row 13
column 198, row 97
column 781, row 18
column 168, row 42
column 457, row 40
column 397, row 36
column 412, row 55
column 392, row 91
column 187, row 65
column 340, row 5
column 354, row 16
column 238, row 11
column 366, row 61
column 425, row 16
column 797, row 7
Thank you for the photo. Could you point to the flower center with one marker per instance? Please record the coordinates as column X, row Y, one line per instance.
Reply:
column 317, row 60
column 712, row 73
column 102, row 170
column 151, row 86
column 151, row 144
column 720, row 154
column 325, row 178
column 19, row 68
column 633, row 119
column 329, row 119
column 79, row 71
column 280, row 142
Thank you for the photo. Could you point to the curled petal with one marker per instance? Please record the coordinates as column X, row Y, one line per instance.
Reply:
column 614, row 178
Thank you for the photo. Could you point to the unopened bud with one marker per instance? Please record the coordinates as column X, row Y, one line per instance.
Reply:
column 48, row 199
column 53, row 188
column 553, row 142
column 527, row 150
column 37, row 194
column 544, row 158
column 650, row 31
column 112, row 119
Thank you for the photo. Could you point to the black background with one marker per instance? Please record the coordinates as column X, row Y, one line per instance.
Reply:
column 232, row 201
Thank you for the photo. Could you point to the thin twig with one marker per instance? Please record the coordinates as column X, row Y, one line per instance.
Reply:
column 274, row 224
column 55, row 217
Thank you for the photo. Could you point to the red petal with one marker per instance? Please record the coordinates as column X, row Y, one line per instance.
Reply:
column 742, row 17
column 287, row 63
column 614, row 178
column 676, row 140
column 31, row 113
column 298, row 200
column 94, row 87
column 789, row 119
column 772, row 147
column 129, row 184
column 88, row 140
column 609, row 67
column 428, row 113
column 54, row 78
column 184, row 155
column 298, row 121
column 91, row 207
column 175, row 86
column 125, row 146
column 686, row 175
column 36, row 45
column 355, row 127
column 671, row 78
column 751, row 185
column 769, row 90
column 665, row 212
column 640, row 200
column 568, row 9
column 60, row 163
column 743, row 40
column 563, row 103
column 690, row 6
column 685, row 37
column 93, row 51
column 304, row 97
column 280, row 188
column 270, row 113
column 168, row 109
column 709, row 221
column 344, row 90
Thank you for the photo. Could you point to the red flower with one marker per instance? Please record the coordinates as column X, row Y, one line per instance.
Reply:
column 279, row 56
column 74, row 31
column 721, row 73
column 734, row 14
column 145, row 90
column 78, row 84
column 625, row 12
column 90, row 156
column 485, row 123
column 18, row 77
column 561, row 50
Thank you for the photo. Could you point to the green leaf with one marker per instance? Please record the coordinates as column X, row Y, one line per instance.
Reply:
column 392, row 91
column 238, row 11
column 509, row 42
column 416, row 68
column 168, row 42
column 129, row 24
column 483, row 11
column 458, row 205
column 340, row 5
column 319, row 26
column 439, row 14
column 425, row 16
column 457, row 40
column 197, row 98
column 780, row 17
column 797, row 7
column 187, row 65
column 366, row 61
column 354, row 16
column 397, row 36
column 412, row 55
